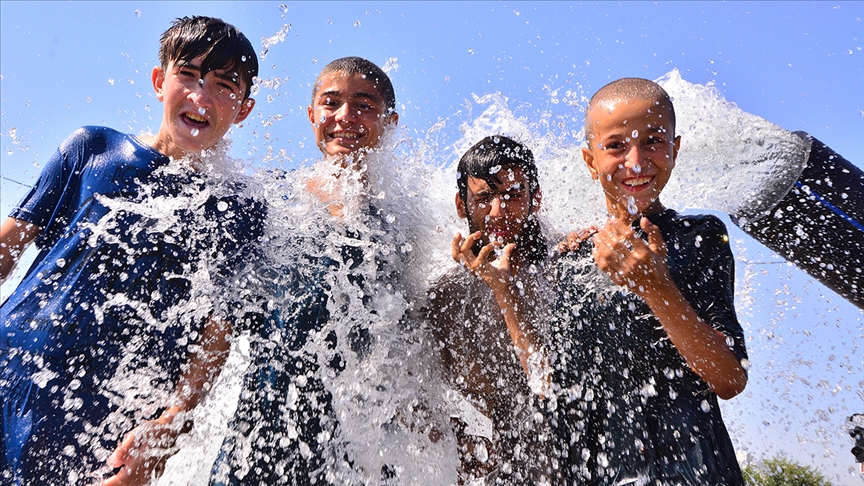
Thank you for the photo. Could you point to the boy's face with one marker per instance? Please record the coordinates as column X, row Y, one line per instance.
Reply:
column 632, row 154
column 347, row 114
column 500, row 212
column 196, row 113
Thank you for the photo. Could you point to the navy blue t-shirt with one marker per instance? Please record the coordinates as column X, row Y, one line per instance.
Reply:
column 125, row 234
column 630, row 409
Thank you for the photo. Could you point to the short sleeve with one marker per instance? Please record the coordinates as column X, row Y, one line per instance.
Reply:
column 42, row 201
column 713, row 294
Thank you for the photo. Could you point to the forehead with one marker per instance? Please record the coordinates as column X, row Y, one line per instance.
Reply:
column 345, row 84
column 615, row 115
column 231, row 72
column 509, row 177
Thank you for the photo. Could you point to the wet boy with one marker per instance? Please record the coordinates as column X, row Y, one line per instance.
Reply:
column 491, row 351
column 648, row 333
column 285, row 426
column 101, row 299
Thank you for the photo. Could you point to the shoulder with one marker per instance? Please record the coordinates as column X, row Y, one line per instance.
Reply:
column 697, row 229
column 92, row 136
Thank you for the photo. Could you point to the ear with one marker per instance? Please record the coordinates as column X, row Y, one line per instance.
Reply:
column 392, row 118
column 536, row 200
column 588, row 156
column 310, row 113
column 158, row 77
column 460, row 207
column 245, row 110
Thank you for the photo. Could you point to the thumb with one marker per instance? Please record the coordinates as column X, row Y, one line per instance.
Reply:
column 655, row 238
column 121, row 454
column 505, row 255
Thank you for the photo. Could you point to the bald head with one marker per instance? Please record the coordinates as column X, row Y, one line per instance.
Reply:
column 624, row 90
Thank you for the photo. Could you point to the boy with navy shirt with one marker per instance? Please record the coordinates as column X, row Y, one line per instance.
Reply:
column 647, row 333
column 104, row 299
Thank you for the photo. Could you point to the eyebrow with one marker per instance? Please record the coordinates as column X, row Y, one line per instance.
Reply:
column 361, row 95
column 222, row 76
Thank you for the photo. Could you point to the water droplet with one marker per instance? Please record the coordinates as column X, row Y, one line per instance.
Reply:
column 242, row 58
column 631, row 205
column 494, row 170
column 706, row 407
column 233, row 96
column 635, row 133
column 471, row 51
column 61, row 262
column 194, row 132
column 357, row 24
column 202, row 110
column 222, row 206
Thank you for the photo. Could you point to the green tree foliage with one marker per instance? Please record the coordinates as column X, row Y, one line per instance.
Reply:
column 780, row 471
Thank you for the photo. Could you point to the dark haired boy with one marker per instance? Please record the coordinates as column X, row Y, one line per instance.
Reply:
column 648, row 336
column 285, row 429
column 490, row 345
column 103, row 300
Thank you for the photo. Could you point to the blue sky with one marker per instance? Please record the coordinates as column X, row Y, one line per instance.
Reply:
column 797, row 64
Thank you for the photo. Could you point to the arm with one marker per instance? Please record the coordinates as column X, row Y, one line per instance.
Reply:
column 15, row 235
column 630, row 261
column 144, row 450
column 497, row 275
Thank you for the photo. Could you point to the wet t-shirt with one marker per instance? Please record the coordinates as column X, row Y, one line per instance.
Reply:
column 630, row 409
column 124, row 234
column 285, row 423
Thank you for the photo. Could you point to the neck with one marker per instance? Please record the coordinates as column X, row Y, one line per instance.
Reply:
column 621, row 212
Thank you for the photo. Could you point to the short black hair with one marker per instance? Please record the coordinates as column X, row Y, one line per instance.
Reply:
column 486, row 157
column 363, row 67
column 484, row 161
column 222, row 45
column 625, row 89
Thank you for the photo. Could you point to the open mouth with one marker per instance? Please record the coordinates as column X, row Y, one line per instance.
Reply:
column 346, row 135
column 637, row 182
column 195, row 120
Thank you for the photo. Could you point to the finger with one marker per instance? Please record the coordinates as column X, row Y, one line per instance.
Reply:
column 121, row 453
column 655, row 238
column 483, row 256
column 504, row 258
column 468, row 245
column 456, row 247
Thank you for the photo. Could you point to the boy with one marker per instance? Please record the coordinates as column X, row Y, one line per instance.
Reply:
column 493, row 358
column 103, row 311
column 648, row 337
column 285, row 429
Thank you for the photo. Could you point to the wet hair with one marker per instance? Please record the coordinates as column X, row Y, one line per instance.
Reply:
column 220, row 43
column 484, row 161
column 626, row 89
column 363, row 67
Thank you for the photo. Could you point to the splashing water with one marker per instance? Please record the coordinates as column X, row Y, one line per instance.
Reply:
column 397, row 209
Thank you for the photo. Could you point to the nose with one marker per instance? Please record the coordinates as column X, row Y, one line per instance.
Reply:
column 496, row 209
column 200, row 96
column 634, row 157
column 344, row 112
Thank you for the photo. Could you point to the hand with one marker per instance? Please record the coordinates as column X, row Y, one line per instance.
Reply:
column 627, row 259
column 575, row 239
column 144, row 451
column 495, row 272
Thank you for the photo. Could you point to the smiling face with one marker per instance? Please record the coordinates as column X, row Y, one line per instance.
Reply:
column 347, row 114
column 197, row 112
column 632, row 153
column 501, row 210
